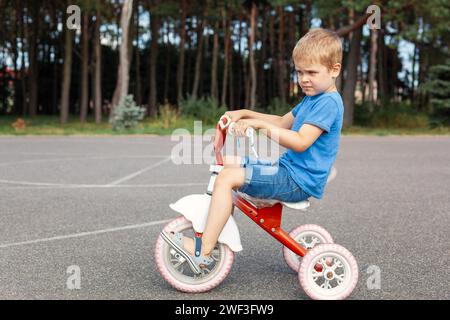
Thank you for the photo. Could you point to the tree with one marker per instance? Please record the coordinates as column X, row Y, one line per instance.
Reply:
column 215, row 56
column 123, row 73
column 180, row 67
column 152, row 103
column 437, row 85
column 85, row 68
column 372, row 64
column 67, row 75
column 198, row 59
column 33, row 38
column 98, row 68
column 351, row 78
column 252, row 56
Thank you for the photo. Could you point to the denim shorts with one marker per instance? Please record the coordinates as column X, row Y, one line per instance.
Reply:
column 270, row 180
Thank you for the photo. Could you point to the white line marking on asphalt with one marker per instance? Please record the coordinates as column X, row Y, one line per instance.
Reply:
column 83, row 234
column 43, row 185
column 78, row 159
column 133, row 175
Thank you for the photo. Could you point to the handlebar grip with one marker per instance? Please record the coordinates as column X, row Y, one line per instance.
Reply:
column 224, row 121
column 230, row 128
column 250, row 132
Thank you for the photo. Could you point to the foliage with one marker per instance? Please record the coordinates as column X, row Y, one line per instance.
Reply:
column 438, row 87
column 277, row 107
column 127, row 114
column 390, row 115
column 168, row 115
column 208, row 109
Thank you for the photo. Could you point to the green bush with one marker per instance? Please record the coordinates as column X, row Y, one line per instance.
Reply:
column 126, row 114
column 208, row 109
column 168, row 115
column 390, row 115
column 279, row 108
column 437, row 86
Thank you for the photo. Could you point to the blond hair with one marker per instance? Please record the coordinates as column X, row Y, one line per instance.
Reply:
column 319, row 46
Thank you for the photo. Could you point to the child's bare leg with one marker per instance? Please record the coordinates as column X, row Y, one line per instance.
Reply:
column 219, row 210
column 232, row 161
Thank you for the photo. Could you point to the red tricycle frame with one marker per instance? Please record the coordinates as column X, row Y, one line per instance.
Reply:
column 268, row 218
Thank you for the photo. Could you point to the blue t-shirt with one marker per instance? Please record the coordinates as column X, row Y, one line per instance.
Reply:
column 310, row 168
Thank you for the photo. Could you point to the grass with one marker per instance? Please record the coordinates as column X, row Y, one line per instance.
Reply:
column 395, row 131
column 49, row 125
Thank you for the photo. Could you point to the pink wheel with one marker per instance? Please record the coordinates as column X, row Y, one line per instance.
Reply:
column 308, row 235
column 328, row 272
column 175, row 269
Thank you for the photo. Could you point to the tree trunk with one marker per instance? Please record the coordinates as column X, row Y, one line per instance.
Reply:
column 188, row 70
column 180, row 67
column 123, row 73
column 245, row 62
column 231, row 99
column 373, row 65
column 65, row 95
column 98, row 70
column 252, row 57
column 350, row 81
column 33, row 68
column 166, row 79
column 291, row 41
column 226, row 27
column 262, row 94
column 198, row 58
column 273, row 64
column 241, row 67
column 54, row 109
column 281, row 55
column 85, row 68
column 138, row 61
column 214, row 91
column 15, row 57
column 23, row 74
column 152, row 102
column 382, row 68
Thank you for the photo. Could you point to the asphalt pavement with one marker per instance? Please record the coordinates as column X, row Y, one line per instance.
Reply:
column 93, row 207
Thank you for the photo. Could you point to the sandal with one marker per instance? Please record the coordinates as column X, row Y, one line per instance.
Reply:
column 195, row 262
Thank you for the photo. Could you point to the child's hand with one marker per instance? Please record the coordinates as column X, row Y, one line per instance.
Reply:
column 235, row 115
column 240, row 127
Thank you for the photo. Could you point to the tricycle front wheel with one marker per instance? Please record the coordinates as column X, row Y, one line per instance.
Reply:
column 175, row 269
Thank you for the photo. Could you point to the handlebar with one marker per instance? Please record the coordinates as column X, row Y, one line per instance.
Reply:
column 224, row 126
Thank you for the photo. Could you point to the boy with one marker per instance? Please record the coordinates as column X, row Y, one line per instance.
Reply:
column 310, row 132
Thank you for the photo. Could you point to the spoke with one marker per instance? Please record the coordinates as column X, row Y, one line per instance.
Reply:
column 314, row 242
column 337, row 264
column 215, row 255
column 303, row 242
column 326, row 284
column 206, row 271
column 178, row 264
column 317, row 274
column 339, row 278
